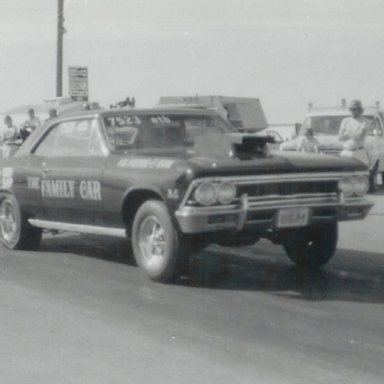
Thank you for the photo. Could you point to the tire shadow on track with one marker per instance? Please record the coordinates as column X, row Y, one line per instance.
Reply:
column 340, row 280
column 350, row 276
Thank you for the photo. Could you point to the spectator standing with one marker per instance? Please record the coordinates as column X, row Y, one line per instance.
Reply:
column 353, row 132
column 30, row 124
column 11, row 138
column 308, row 142
column 52, row 113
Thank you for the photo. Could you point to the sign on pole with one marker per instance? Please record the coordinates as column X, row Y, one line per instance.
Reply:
column 78, row 83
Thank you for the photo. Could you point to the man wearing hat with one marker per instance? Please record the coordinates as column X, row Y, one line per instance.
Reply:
column 354, row 129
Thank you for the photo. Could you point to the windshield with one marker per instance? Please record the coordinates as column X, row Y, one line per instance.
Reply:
column 160, row 130
column 329, row 125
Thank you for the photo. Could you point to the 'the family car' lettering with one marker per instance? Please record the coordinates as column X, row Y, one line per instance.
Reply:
column 90, row 190
column 33, row 182
column 66, row 189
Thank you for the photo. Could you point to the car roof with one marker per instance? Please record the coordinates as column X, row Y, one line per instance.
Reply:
column 140, row 111
column 368, row 111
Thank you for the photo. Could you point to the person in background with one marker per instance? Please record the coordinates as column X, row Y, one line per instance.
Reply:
column 52, row 113
column 308, row 142
column 30, row 124
column 353, row 132
column 11, row 138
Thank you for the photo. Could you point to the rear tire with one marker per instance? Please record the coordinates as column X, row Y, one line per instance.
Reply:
column 311, row 247
column 15, row 231
column 156, row 243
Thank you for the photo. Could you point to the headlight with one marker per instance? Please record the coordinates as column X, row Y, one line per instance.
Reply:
column 226, row 192
column 361, row 185
column 346, row 186
column 354, row 185
column 205, row 194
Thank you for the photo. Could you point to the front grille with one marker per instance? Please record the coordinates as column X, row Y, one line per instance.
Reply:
column 287, row 188
column 269, row 192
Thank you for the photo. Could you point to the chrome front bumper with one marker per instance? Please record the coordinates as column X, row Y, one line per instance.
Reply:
column 260, row 213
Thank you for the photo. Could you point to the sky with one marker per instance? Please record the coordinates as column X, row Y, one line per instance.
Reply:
column 284, row 52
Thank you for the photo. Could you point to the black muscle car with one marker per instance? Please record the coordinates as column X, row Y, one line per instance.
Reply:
column 172, row 181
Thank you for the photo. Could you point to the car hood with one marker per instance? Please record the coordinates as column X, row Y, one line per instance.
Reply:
column 276, row 162
column 216, row 158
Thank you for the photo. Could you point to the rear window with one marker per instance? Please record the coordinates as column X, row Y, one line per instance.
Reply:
column 160, row 130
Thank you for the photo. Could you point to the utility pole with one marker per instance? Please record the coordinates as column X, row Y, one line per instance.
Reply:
column 60, row 33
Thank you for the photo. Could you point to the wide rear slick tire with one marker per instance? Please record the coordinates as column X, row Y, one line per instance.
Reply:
column 156, row 243
column 311, row 247
column 15, row 231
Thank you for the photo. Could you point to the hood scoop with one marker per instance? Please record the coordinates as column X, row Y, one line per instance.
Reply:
column 232, row 146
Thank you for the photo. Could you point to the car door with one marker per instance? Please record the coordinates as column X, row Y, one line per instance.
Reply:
column 72, row 165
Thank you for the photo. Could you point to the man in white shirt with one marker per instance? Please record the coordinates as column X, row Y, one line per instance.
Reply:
column 11, row 138
column 31, row 124
column 353, row 131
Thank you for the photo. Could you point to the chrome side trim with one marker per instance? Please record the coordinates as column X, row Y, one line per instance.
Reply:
column 82, row 228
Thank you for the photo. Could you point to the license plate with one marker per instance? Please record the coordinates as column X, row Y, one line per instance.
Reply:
column 292, row 217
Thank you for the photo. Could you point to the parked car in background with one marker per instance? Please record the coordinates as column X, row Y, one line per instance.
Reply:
column 325, row 124
column 171, row 181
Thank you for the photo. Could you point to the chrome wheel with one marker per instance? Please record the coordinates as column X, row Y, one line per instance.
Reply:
column 9, row 223
column 152, row 243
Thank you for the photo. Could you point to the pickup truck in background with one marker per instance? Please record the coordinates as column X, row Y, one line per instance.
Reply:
column 325, row 123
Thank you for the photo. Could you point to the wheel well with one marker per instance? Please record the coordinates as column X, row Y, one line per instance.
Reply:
column 132, row 203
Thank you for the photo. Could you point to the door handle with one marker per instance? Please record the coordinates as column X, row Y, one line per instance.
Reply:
column 46, row 171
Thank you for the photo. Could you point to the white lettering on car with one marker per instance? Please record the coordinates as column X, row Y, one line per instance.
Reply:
column 173, row 193
column 33, row 182
column 121, row 121
column 6, row 177
column 64, row 189
column 90, row 190
column 146, row 163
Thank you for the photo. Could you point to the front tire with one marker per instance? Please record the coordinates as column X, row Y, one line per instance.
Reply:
column 311, row 247
column 156, row 243
column 373, row 178
column 15, row 231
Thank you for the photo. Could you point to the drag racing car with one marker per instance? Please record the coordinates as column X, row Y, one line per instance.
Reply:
column 172, row 181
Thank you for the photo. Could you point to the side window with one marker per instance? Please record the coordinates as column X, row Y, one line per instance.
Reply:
column 47, row 146
column 70, row 139
column 96, row 147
